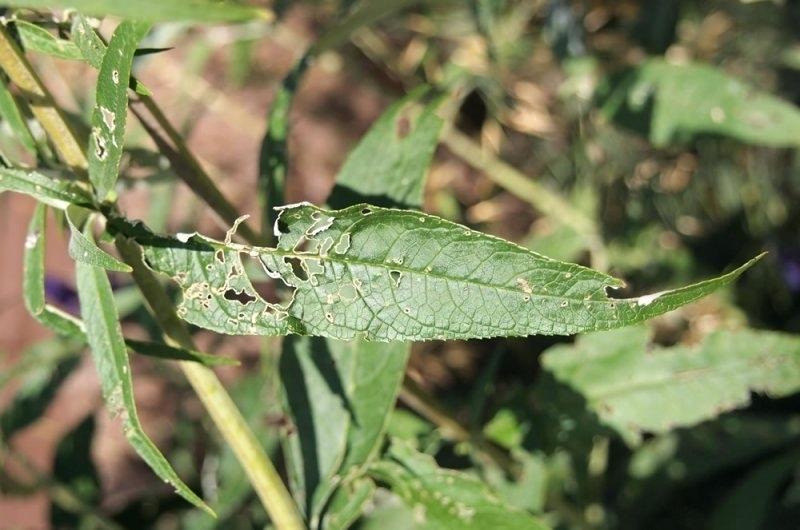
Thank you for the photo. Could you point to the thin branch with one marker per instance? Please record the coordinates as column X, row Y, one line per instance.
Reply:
column 41, row 103
column 263, row 476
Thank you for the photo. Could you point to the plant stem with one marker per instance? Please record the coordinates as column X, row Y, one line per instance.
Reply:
column 195, row 176
column 262, row 474
column 223, row 411
column 419, row 400
column 41, row 103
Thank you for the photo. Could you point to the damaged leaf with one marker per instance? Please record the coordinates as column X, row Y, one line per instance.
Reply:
column 443, row 498
column 111, row 108
column 635, row 388
column 387, row 275
column 104, row 335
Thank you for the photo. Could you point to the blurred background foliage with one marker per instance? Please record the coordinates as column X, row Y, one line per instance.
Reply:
column 669, row 128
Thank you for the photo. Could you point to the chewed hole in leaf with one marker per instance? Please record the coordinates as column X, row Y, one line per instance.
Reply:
column 396, row 276
column 297, row 267
column 240, row 296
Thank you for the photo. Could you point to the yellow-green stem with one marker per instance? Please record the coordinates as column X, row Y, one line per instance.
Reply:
column 263, row 476
column 41, row 103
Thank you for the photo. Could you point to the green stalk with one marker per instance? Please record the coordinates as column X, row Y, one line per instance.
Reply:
column 263, row 476
column 13, row 62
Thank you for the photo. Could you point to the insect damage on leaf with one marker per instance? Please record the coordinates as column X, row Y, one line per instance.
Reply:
column 387, row 274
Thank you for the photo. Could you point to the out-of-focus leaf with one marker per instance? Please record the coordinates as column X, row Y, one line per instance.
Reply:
column 38, row 39
column 274, row 156
column 111, row 108
column 443, row 499
column 154, row 10
column 73, row 467
column 57, row 193
column 110, row 356
column 347, row 504
column 164, row 351
column 339, row 396
column 255, row 395
column 398, row 275
column 43, row 353
column 746, row 507
column 10, row 112
column 678, row 102
column 663, row 465
column 81, row 248
column 33, row 268
column 389, row 165
column 36, row 391
column 635, row 387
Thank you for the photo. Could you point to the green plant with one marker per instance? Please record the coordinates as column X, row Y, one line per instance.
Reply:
column 353, row 284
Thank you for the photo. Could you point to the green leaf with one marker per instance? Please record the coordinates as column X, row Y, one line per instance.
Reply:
column 46, row 352
column 36, row 392
column 57, row 193
column 746, row 507
column 111, row 107
column 33, row 268
column 663, row 466
column 88, row 42
column 82, row 249
column 110, row 356
column 679, row 102
column 154, row 10
column 443, row 499
column 92, row 48
column 635, row 387
column 73, row 468
column 347, row 504
column 163, row 351
column 40, row 40
column 389, row 165
column 338, row 396
column 10, row 112
column 273, row 156
column 392, row 275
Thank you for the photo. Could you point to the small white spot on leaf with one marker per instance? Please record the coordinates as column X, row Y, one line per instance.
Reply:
column 648, row 299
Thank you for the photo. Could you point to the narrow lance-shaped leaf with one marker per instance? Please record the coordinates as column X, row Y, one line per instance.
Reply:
column 58, row 193
column 388, row 275
column 92, row 48
column 33, row 268
column 389, row 165
column 37, row 390
column 164, row 351
column 33, row 288
column 635, row 388
column 154, row 10
column 274, row 157
column 443, row 499
column 105, row 339
column 111, row 107
column 65, row 324
column 40, row 40
column 10, row 112
column 83, row 249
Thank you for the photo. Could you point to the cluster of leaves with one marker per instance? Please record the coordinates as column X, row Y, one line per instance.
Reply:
column 357, row 281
